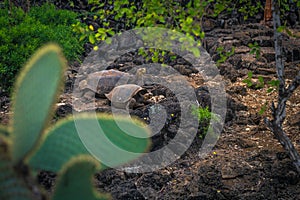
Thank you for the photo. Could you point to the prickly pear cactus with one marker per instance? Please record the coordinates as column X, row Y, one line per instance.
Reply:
column 60, row 148
column 76, row 180
column 11, row 186
column 36, row 91
column 29, row 144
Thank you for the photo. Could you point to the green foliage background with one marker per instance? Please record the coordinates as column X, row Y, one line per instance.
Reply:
column 22, row 33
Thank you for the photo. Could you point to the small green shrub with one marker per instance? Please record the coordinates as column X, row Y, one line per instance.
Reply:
column 204, row 117
column 272, row 85
column 246, row 8
column 185, row 17
column 254, row 49
column 248, row 80
column 48, row 14
column 21, row 34
column 224, row 55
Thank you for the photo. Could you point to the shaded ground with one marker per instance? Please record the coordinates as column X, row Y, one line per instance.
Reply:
column 247, row 162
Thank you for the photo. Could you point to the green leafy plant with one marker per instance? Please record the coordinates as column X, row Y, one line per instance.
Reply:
column 87, row 32
column 204, row 117
column 248, row 80
column 285, row 6
column 185, row 17
column 263, row 109
column 224, row 55
column 255, row 49
column 21, row 34
column 244, row 7
column 261, row 82
column 248, row 8
column 272, row 85
column 285, row 29
column 251, row 84
column 29, row 144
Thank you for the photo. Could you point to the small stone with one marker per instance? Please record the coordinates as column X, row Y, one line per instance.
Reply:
column 228, row 172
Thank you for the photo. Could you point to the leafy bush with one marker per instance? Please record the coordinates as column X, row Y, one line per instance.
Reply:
column 22, row 33
column 176, row 15
column 48, row 14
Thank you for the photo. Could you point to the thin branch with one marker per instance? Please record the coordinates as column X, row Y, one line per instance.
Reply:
column 293, row 86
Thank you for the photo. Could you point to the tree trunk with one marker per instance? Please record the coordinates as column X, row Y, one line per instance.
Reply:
column 268, row 11
column 284, row 93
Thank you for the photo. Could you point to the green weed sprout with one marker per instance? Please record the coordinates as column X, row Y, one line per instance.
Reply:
column 224, row 55
column 204, row 117
column 255, row 49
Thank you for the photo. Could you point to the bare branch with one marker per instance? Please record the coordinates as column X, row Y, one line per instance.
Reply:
column 293, row 86
column 279, row 112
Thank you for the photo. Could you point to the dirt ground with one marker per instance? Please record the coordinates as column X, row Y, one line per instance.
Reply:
column 246, row 163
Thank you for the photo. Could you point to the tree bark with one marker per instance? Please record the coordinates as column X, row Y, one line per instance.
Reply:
column 268, row 11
